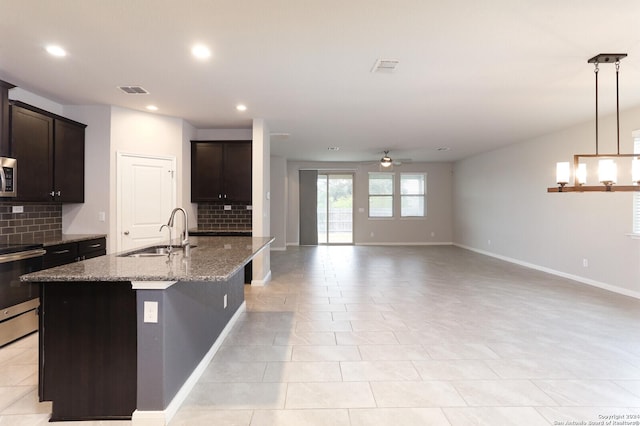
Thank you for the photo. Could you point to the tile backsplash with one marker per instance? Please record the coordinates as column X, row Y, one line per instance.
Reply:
column 38, row 222
column 213, row 216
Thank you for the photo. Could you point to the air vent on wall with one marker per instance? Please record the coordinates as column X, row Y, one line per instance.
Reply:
column 133, row 90
column 385, row 65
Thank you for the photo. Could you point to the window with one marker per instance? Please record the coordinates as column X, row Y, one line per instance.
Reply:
column 380, row 194
column 636, row 195
column 412, row 189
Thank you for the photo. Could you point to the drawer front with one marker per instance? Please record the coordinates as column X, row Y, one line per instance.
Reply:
column 60, row 254
column 92, row 246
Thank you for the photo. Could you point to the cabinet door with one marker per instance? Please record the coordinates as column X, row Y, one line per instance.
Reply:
column 32, row 146
column 68, row 181
column 206, row 171
column 237, row 171
column 5, row 143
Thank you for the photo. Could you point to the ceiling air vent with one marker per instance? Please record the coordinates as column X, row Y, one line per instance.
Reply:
column 385, row 65
column 133, row 90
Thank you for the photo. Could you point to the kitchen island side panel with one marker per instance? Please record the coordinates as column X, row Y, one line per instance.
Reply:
column 88, row 350
column 191, row 316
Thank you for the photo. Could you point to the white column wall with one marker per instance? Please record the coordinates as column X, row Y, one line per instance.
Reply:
column 261, row 187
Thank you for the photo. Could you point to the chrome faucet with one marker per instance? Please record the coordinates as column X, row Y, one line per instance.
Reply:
column 169, row 245
column 184, row 236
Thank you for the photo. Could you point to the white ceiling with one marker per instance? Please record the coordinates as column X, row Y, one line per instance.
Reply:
column 473, row 76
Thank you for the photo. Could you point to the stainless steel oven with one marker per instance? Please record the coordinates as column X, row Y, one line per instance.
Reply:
column 18, row 300
column 8, row 175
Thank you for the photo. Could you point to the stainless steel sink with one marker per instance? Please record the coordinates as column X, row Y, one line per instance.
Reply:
column 155, row 251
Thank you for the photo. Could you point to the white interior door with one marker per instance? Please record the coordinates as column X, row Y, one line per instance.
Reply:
column 146, row 195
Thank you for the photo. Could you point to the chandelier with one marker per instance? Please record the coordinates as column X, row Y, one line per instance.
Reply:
column 607, row 168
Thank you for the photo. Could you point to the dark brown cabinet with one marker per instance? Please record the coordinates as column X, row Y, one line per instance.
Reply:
column 62, row 254
column 88, row 350
column 221, row 171
column 50, row 154
column 57, row 255
column 5, row 144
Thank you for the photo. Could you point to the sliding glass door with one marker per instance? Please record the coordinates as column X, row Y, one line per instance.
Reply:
column 335, row 208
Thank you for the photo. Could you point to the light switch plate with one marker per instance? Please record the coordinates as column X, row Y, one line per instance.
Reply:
column 150, row 311
column 17, row 209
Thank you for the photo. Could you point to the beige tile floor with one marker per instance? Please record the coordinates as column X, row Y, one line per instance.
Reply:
column 348, row 335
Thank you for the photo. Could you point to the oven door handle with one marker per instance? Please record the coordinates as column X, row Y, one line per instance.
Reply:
column 12, row 257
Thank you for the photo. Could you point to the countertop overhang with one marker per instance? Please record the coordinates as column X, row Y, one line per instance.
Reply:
column 213, row 259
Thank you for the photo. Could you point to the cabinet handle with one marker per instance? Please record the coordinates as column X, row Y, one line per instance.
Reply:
column 59, row 193
column 52, row 193
column 61, row 252
column 219, row 195
column 95, row 245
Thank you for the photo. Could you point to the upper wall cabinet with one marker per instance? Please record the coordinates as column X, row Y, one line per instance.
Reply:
column 5, row 148
column 50, row 154
column 221, row 171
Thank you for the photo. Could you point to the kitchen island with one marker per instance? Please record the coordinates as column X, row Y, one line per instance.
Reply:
column 128, row 336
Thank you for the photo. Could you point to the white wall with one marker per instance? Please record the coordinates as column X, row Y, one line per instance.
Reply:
column 278, row 203
column 438, row 219
column 145, row 133
column 223, row 134
column 19, row 94
column 260, row 194
column 501, row 207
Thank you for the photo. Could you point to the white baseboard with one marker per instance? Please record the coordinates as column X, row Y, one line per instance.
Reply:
column 162, row 418
column 583, row 280
column 262, row 282
column 441, row 243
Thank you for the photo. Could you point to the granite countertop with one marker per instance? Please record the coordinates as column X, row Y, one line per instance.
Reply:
column 213, row 259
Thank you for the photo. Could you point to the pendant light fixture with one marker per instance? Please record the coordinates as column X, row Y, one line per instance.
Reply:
column 607, row 168
column 386, row 160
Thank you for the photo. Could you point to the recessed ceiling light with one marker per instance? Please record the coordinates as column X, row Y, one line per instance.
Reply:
column 152, row 107
column 55, row 50
column 241, row 107
column 200, row 51
column 334, row 148
column 443, row 148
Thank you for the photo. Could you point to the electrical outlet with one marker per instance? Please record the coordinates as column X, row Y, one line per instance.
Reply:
column 150, row 311
column 585, row 262
column 225, row 301
column 488, row 242
column 102, row 216
column 371, row 234
column 17, row 209
column 227, row 207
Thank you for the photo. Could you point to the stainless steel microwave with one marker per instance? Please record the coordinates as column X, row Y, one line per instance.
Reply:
column 8, row 174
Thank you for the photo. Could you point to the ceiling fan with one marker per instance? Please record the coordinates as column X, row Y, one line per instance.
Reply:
column 387, row 164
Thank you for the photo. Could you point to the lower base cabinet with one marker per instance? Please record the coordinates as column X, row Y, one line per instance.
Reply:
column 90, row 350
column 63, row 254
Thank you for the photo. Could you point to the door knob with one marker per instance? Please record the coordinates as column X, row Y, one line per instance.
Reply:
column 126, row 232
